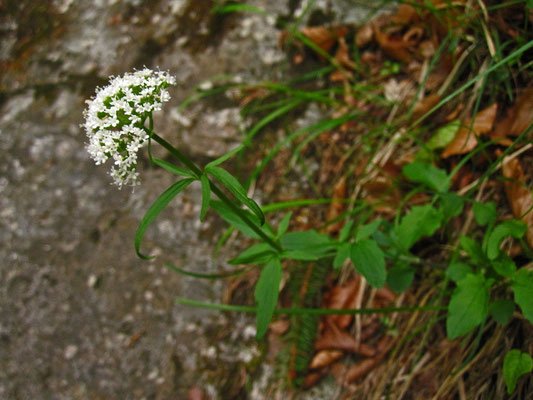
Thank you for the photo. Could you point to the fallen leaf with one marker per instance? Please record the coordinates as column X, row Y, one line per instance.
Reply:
column 323, row 37
column 343, row 55
column 335, row 339
column 392, row 45
column 424, row 105
column 337, row 207
column 466, row 140
column 406, row 14
column 324, row 358
column 195, row 393
column 519, row 196
column 343, row 297
column 360, row 369
column 386, row 294
column 364, row 35
column 518, row 117
column 312, row 378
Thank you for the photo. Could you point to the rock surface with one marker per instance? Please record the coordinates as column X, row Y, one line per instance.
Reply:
column 81, row 317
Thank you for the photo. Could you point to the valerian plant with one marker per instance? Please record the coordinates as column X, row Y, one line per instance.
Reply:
column 119, row 122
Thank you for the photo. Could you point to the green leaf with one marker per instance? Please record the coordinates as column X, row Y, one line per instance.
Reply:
column 233, row 219
column 444, row 135
column 206, row 195
column 154, row 210
column 344, row 234
column 452, row 205
column 504, row 265
column 266, row 294
column 255, row 254
column 365, row 231
column 511, row 227
column 427, row 174
column 473, row 249
column 311, row 242
column 342, row 254
column 522, row 288
column 485, row 213
column 233, row 185
column 174, row 169
column 458, row 271
column 515, row 364
column 369, row 260
column 502, row 311
column 469, row 305
column 284, row 224
column 400, row 277
column 299, row 255
column 421, row 221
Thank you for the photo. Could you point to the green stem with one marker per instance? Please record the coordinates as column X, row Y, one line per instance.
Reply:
column 215, row 189
column 298, row 311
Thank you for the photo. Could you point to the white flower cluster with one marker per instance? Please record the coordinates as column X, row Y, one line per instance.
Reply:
column 115, row 120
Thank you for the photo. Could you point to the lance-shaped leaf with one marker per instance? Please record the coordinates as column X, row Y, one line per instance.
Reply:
column 234, row 186
column 173, row 168
column 206, row 195
column 154, row 210
column 266, row 294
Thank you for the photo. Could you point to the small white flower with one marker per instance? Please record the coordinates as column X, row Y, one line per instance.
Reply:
column 115, row 117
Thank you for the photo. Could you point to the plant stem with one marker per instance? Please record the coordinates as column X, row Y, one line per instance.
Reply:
column 216, row 190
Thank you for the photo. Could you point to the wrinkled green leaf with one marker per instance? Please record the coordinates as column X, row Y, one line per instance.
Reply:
column 473, row 249
column 469, row 305
column 154, row 210
column 266, row 294
column 458, row 271
column 452, row 205
column 369, row 260
column 427, row 174
column 485, row 213
column 365, row 231
column 234, row 186
column 311, row 242
column 400, row 277
column 206, row 196
column 515, row 364
column 255, row 254
column 511, row 227
column 421, row 221
column 502, row 311
column 522, row 288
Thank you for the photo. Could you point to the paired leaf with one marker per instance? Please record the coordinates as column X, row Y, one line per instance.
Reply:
column 154, row 210
column 255, row 254
column 234, row 186
column 469, row 305
column 206, row 195
column 266, row 294
column 515, row 364
column 173, row 168
column 235, row 220
column 522, row 288
column 511, row 227
column 421, row 221
column 427, row 174
column 369, row 260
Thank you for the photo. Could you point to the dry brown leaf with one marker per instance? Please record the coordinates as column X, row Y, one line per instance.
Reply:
column 312, row 379
column 405, row 14
column 343, row 55
column 324, row 358
column 519, row 196
column 386, row 294
column 364, row 35
column 393, row 46
column 360, row 369
column 323, row 37
column 424, row 105
column 343, row 297
column 337, row 207
column 518, row 117
column 334, row 339
column 465, row 140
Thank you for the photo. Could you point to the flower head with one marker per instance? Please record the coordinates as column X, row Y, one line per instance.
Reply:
column 115, row 120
